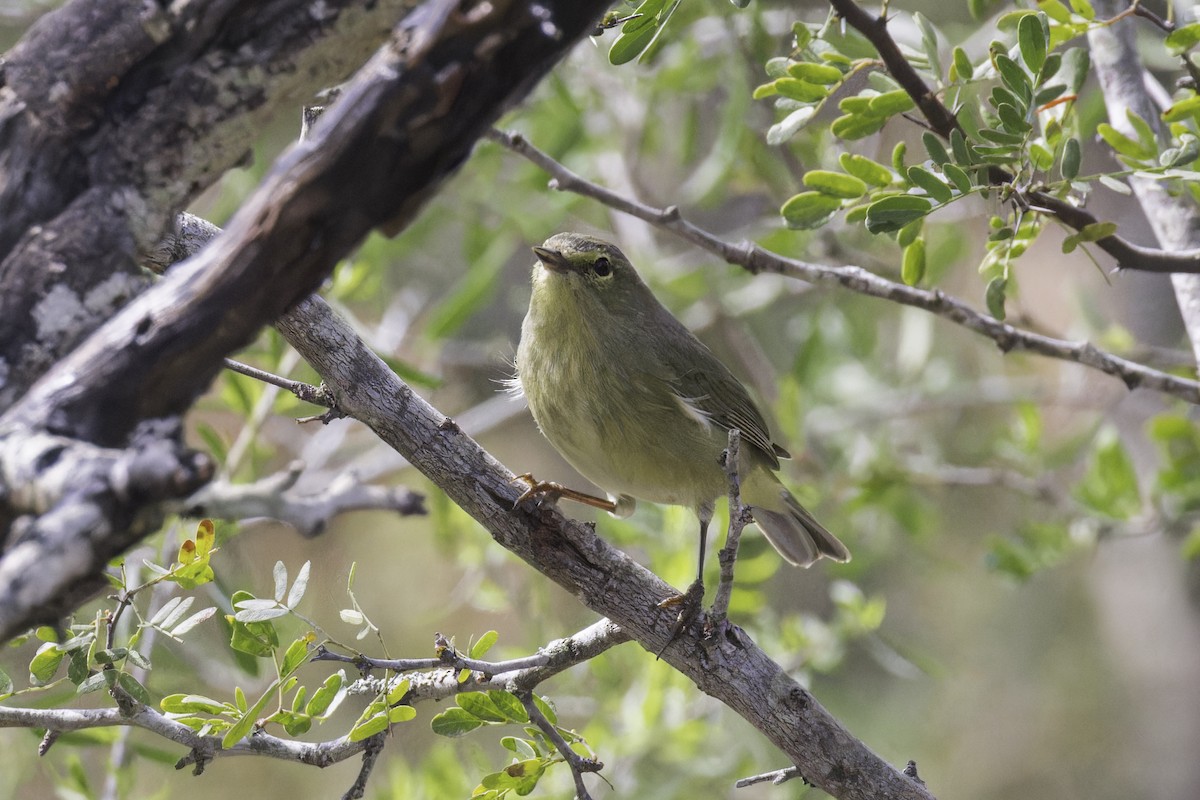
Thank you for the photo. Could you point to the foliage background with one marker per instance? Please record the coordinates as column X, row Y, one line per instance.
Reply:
column 1032, row 645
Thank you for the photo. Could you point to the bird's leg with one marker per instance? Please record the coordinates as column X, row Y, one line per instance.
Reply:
column 689, row 602
column 556, row 490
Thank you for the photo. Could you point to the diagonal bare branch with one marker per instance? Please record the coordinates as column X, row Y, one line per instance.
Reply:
column 856, row 279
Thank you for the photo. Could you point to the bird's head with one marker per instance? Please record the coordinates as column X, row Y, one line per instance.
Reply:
column 580, row 266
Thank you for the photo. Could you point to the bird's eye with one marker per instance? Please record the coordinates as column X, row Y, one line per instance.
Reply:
column 602, row 267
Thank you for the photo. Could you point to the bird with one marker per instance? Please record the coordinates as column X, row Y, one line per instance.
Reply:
column 642, row 408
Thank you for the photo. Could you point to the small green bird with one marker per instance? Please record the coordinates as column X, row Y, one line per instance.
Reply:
column 639, row 406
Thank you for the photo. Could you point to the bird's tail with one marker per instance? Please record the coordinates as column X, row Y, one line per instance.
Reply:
column 787, row 525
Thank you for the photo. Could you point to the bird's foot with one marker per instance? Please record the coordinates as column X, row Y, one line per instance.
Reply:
column 546, row 491
column 689, row 604
column 551, row 492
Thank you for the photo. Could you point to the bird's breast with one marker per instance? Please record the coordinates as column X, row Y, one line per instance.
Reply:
column 605, row 406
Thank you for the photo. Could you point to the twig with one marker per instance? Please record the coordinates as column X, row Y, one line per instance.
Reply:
column 317, row 395
column 739, row 517
column 776, row 777
column 530, row 670
column 62, row 720
column 275, row 497
column 1127, row 254
column 370, row 755
column 578, row 764
column 856, row 279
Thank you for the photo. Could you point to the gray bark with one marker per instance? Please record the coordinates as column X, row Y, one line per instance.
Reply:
column 401, row 126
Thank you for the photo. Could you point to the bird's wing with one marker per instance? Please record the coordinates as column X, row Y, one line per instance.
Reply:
column 709, row 389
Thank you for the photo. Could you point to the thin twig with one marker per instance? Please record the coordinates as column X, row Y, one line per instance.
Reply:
column 776, row 777
column 578, row 764
column 856, row 279
column 739, row 517
column 370, row 755
column 317, row 395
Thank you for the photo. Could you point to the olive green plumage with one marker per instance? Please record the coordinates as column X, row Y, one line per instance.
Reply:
column 638, row 405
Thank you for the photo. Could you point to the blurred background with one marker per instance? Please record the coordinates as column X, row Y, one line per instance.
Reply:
column 1020, row 617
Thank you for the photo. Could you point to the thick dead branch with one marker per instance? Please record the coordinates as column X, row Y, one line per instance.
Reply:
column 401, row 126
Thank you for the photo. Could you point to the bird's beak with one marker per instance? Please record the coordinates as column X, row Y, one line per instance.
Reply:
column 552, row 259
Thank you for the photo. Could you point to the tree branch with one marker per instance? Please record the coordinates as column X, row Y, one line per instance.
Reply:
column 741, row 676
column 1127, row 254
column 754, row 259
column 275, row 497
column 404, row 123
column 443, row 683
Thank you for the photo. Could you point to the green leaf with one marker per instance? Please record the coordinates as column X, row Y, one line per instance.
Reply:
column 1009, row 140
column 94, row 682
column 401, row 714
column 479, row 705
column 1012, row 120
column 809, row 210
column 547, row 710
column 865, row 169
column 912, row 268
column 935, row 148
column 1076, row 63
column 1045, row 95
column 1097, row 231
column 376, row 723
column 933, row 186
column 455, row 722
column 898, row 153
column 637, row 33
column 962, row 68
column 796, row 89
column 1184, row 109
column 398, row 692
column 509, row 705
column 815, row 73
column 1084, row 9
column 133, row 688
column 893, row 213
column 1122, row 143
column 929, row 42
column 480, row 648
column 1072, row 155
column 962, row 151
column 1180, row 40
column 242, row 727
column 45, row 663
column 1109, row 486
column 6, row 684
column 255, row 638
column 891, row 103
column 191, row 704
column 323, row 697
column 1013, row 77
column 856, row 126
column 909, row 233
column 1032, row 39
column 835, row 184
column 296, row 654
column 77, row 667
column 958, row 176
column 995, row 296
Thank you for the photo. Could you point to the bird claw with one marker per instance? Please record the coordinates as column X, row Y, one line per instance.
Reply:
column 689, row 604
column 542, row 490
